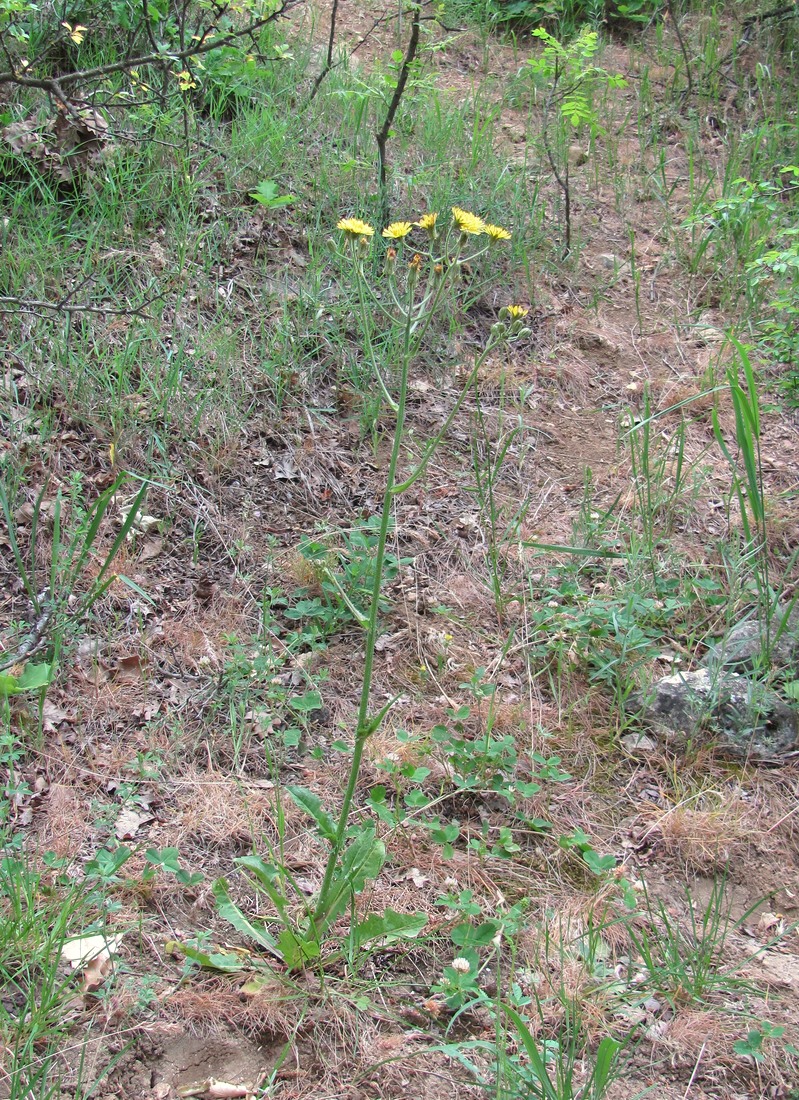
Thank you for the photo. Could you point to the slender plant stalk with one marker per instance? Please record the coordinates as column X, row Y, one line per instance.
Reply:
column 364, row 723
column 417, row 318
column 381, row 137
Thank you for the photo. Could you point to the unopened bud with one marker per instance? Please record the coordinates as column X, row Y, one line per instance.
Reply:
column 414, row 267
column 391, row 259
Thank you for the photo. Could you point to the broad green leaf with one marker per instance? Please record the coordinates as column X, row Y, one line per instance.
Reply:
column 230, row 912
column 266, row 194
column 32, row 678
column 213, row 960
column 390, row 926
column 269, row 880
column 466, row 935
column 312, row 805
column 296, row 951
column 361, row 861
column 597, row 863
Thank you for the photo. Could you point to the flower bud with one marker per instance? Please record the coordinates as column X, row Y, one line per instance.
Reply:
column 414, row 267
column 391, row 260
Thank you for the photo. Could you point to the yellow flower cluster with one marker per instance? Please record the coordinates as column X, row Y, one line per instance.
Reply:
column 466, row 223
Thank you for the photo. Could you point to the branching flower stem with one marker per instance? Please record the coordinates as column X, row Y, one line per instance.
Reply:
column 415, row 318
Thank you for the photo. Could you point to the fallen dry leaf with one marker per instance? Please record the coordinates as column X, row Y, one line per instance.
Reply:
column 96, row 972
column 53, row 716
column 129, row 822
column 151, row 549
column 83, row 949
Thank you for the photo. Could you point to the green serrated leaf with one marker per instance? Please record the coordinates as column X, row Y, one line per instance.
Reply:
column 312, row 805
column 266, row 194
column 230, row 912
column 390, row 926
column 213, row 960
column 311, row 700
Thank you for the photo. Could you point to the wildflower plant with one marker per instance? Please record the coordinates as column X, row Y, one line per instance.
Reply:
column 421, row 266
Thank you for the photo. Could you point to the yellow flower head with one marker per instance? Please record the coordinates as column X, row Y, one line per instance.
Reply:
column 428, row 223
column 397, row 230
column 515, row 313
column 468, row 223
column 354, row 229
column 497, row 233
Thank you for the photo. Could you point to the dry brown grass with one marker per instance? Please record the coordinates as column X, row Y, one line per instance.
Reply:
column 704, row 831
column 217, row 809
column 67, row 825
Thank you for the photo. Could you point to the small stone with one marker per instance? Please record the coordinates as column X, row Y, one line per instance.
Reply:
column 638, row 742
column 744, row 645
column 577, row 155
column 737, row 714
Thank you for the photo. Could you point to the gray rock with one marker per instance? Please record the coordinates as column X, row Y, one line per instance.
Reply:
column 737, row 715
column 638, row 742
column 578, row 155
column 744, row 644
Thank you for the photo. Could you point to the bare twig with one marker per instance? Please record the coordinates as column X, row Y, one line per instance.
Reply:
column 35, row 641
column 11, row 304
column 328, row 65
column 382, row 134
column 773, row 13
column 673, row 16
column 81, row 76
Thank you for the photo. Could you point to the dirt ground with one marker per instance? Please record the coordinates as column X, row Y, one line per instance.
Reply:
column 674, row 822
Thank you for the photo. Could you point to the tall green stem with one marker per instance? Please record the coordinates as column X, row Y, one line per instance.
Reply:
column 363, row 725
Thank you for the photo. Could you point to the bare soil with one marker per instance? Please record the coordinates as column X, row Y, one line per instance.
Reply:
column 672, row 821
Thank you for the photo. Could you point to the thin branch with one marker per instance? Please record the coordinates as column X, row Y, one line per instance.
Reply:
column 773, row 13
column 362, row 40
column 203, row 46
column 11, row 305
column 328, row 65
column 382, row 135
column 673, row 16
